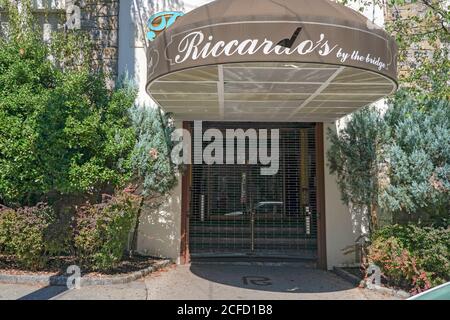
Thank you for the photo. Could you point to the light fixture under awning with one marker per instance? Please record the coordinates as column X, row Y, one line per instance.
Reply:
column 267, row 60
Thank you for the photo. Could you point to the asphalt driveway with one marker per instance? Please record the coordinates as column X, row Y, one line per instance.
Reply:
column 211, row 281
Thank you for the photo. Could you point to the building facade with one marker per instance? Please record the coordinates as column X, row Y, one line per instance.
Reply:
column 225, row 210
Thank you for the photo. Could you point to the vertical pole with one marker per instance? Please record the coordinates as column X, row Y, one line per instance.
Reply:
column 185, row 204
column 252, row 228
column 320, row 169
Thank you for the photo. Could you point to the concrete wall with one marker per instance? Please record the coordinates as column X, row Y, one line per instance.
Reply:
column 343, row 225
column 159, row 231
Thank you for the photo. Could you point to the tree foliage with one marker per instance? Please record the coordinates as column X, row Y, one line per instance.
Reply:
column 421, row 30
column 152, row 166
column 353, row 157
column 409, row 172
column 61, row 130
column 417, row 157
column 399, row 161
column 154, row 174
column 423, row 38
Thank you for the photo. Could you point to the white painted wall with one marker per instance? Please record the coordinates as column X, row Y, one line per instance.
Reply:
column 343, row 225
column 132, row 19
column 160, row 231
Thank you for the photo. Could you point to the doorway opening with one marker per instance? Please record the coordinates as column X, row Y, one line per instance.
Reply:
column 235, row 211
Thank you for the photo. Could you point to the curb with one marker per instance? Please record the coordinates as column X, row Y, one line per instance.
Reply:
column 369, row 286
column 85, row 281
column 396, row 293
column 347, row 276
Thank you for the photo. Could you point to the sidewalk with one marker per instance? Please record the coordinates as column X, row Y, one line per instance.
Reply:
column 205, row 282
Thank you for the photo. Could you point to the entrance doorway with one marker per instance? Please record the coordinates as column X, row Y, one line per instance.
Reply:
column 234, row 210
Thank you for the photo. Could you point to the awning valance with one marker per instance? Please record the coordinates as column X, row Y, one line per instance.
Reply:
column 277, row 60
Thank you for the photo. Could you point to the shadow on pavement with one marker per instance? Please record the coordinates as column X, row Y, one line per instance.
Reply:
column 45, row 293
column 294, row 279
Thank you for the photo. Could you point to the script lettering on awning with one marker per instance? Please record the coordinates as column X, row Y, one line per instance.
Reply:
column 194, row 46
column 197, row 45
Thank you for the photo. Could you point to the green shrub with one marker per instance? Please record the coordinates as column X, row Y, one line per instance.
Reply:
column 431, row 246
column 102, row 231
column 7, row 221
column 61, row 130
column 416, row 154
column 353, row 157
column 23, row 233
column 59, row 234
column 398, row 161
column 411, row 256
column 397, row 264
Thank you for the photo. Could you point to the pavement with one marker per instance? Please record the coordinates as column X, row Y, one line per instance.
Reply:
column 210, row 282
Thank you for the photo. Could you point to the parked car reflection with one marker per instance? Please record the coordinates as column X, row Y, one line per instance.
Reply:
column 261, row 208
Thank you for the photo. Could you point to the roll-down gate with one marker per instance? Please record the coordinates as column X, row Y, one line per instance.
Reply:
column 235, row 210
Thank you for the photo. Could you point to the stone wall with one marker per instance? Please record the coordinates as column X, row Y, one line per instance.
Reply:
column 101, row 19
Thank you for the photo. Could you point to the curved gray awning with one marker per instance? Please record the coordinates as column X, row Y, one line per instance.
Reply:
column 270, row 60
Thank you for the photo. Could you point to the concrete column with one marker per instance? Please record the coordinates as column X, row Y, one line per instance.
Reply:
column 342, row 226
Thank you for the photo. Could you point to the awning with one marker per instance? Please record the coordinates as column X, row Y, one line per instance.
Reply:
column 270, row 60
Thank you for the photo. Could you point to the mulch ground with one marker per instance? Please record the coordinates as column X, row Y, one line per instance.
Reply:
column 355, row 271
column 59, row 265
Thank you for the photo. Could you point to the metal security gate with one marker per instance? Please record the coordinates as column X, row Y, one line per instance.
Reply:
column 234, row 210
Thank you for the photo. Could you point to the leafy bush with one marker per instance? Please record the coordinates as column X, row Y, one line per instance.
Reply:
column 59, row 234
column 24, row 234
column 102, row 231
column 412, row 257
column 397, row 264
column 61, row 130
column 99, row 233
column 73, row 137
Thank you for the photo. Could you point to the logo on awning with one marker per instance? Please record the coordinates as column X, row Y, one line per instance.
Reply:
column 160, row 21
